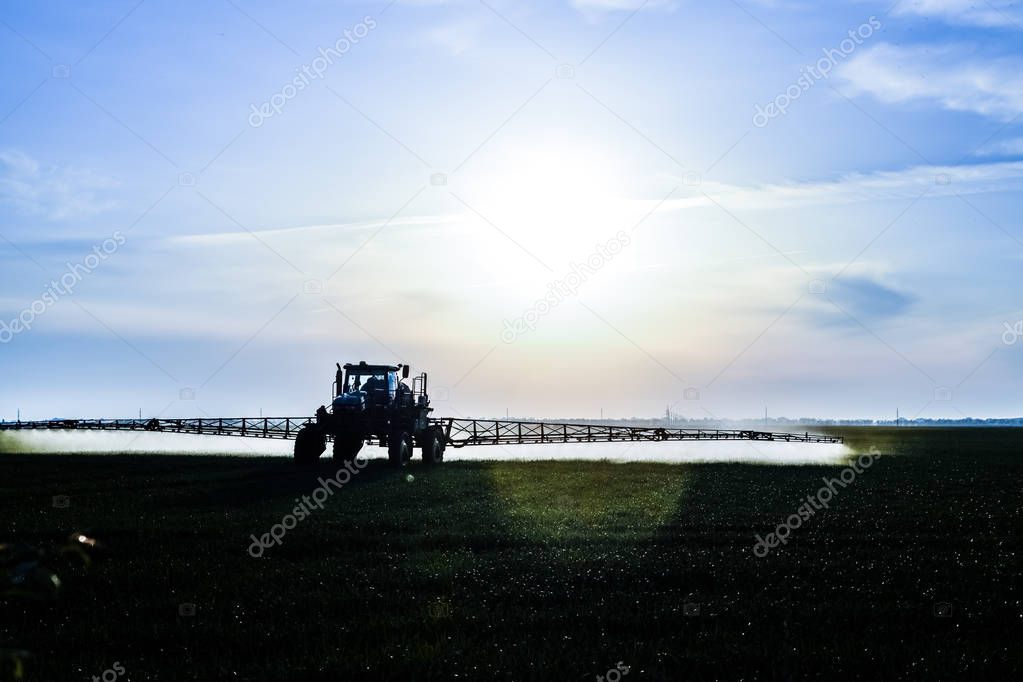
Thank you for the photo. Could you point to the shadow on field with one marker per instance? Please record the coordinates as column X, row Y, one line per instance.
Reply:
column 269, row 480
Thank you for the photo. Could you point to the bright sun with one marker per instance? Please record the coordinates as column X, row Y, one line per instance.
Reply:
column 558, row 200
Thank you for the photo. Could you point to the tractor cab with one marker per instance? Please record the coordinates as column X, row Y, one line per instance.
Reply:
column 358, row 387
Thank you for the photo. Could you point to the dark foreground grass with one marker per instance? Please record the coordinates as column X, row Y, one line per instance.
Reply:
column 554, row 570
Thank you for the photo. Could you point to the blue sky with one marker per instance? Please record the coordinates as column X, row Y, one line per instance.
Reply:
column 820, row 202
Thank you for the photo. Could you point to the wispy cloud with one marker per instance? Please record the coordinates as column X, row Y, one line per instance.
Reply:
column 1010, row 147
column 862, row 187
column 620, row 5
column 456, row 37
column 354, row 231
column 58, row 193
column 955, row 77
column 991, row 13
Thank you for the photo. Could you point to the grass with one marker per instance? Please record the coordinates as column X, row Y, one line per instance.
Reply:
column 550, row 570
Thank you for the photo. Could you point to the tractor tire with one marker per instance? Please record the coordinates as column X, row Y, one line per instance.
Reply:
column 399, row 448
column 309, row 445
column 433, row 446
column 346, row 448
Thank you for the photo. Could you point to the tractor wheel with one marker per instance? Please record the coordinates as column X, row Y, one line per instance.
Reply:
column 346, row 447
column 399, row 448
column 309, row 445
column 433, row 446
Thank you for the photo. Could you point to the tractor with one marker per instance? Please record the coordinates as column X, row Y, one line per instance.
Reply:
column 373, row 404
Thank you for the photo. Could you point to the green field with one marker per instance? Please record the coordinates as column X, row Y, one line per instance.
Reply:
column 519, row 571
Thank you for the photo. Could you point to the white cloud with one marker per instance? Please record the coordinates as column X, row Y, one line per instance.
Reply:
column 954, row 77
column 619, row 5
column 301, row 232
column 1011, row 147
column 989, row 13
column 863, row 187
column 58, row 193
column 590, row 6
column 456, row 37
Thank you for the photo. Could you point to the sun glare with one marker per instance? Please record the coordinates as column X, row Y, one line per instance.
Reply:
column 556, row 200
